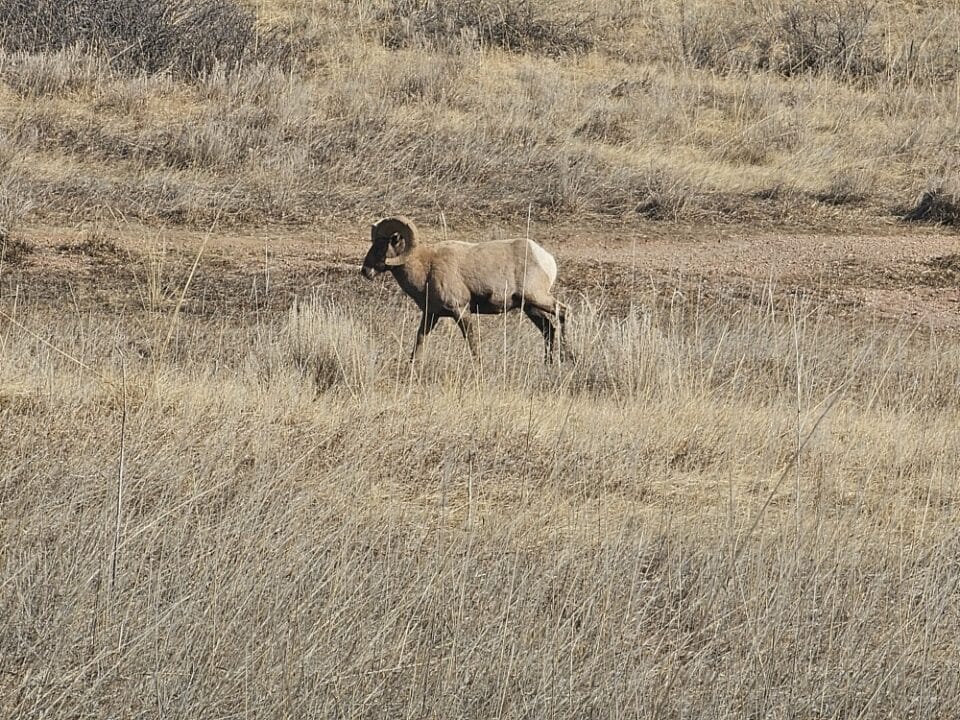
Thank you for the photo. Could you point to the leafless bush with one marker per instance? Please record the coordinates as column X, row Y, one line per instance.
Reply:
column 188, row 38
column 514, row 25
column 790, row 38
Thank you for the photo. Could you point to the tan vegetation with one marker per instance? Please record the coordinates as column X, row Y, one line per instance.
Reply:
column 783, row 112
column 716, row 508
column 225, row 492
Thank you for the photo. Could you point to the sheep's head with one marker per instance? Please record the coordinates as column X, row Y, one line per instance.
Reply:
column 391, row 239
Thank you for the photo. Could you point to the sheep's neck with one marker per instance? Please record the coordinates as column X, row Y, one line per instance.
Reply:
column 412, row 278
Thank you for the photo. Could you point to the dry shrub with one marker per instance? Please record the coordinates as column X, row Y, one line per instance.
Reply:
column 96, row 243
column 515, row 25
column 792, row 37
column 607, row 123
column 619, row 356
column 131, row 96
column 328, row 344
column 188, row 38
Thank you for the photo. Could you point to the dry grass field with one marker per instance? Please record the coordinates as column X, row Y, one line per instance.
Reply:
column 224, row 492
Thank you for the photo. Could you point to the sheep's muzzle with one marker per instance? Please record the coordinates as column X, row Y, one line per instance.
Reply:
column 368, row 272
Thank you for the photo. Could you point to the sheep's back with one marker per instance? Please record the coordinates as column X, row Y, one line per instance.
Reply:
column 491, row 268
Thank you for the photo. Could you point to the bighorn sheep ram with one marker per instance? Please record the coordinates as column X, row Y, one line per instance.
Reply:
column 460, row 279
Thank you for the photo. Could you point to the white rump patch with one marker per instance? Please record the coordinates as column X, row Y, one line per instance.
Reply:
column 543, row 260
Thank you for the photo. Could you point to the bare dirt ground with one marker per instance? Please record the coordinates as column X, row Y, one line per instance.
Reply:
column 895, row 272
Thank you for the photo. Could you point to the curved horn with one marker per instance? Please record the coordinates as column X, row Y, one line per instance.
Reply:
column 401, row 226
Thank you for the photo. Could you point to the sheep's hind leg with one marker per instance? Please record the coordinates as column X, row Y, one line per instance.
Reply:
column 561, row 313
column 539, row 317
column 427, row 323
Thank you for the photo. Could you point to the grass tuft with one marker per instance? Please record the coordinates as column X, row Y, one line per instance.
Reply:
column 13, row 249
column 96, row 242
column 940, row 206
column 327, row 344
column 15, row 203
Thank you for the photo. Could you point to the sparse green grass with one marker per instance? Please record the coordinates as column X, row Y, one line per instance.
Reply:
column 305, row 528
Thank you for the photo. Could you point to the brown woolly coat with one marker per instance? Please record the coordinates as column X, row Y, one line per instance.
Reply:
column 451, row 277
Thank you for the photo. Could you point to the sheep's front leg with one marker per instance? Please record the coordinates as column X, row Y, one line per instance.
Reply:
column 471, row 332
column 427, row 323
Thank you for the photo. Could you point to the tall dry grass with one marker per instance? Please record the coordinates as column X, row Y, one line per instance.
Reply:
column 729, row 505
column 722, row 508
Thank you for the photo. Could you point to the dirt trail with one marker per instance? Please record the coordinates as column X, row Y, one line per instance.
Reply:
column 902, row 275
column 897, row 272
